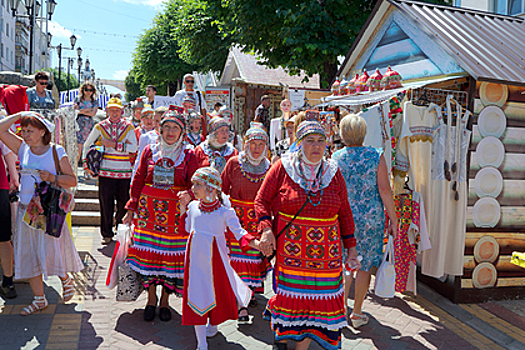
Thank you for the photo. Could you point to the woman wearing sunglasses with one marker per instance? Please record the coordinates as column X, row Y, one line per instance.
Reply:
column 39, row 98
column 87, row 105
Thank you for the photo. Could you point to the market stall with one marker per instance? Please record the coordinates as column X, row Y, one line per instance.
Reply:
column 456, row 140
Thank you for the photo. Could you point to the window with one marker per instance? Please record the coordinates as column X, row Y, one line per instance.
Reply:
column 12, row 57
column 7, row 53
column 2, row 49
column 7, row 29
column 509, row 7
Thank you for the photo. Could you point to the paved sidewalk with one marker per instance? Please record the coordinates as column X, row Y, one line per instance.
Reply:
column 94, row 320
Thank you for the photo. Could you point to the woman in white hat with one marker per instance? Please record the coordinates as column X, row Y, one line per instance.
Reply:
column 241, row 179
column 165, row 168
column 216, row 150
column 38, row 254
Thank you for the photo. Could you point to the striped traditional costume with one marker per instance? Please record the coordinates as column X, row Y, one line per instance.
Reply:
column 241, row 180
column 158, row 252
column 309, row 300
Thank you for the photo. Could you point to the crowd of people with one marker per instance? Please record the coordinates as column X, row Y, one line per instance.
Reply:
column 210, row 213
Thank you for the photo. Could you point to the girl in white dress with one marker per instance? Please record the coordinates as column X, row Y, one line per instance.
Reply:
column 212, row 288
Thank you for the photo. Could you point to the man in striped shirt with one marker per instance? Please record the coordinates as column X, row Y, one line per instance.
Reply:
column 117, row 135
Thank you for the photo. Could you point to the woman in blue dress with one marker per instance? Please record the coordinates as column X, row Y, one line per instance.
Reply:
column 366, row 175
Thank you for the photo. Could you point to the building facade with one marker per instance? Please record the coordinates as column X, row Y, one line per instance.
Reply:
column 14, row 41
column 501, row 7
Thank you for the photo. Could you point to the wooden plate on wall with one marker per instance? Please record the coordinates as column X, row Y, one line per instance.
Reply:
column 493, row 94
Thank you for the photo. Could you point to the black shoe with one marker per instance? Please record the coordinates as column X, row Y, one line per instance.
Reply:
column 149, row 313
column 164, row 314
column 9, row 292
column 279, row 346
column 246, row 319
column 106, row 240
column 253, row 303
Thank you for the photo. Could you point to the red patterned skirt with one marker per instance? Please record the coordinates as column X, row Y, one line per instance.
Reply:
column 159, row 242
column 249, row 265
column 309, row 300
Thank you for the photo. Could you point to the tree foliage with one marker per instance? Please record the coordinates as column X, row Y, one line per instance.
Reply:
column 61, row 82
column 199, row 34
column 133, row 89
column 156, row 57
column 298, row 35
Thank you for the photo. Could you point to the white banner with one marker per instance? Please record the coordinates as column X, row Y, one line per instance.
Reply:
column 164, row 101
column 297, row 99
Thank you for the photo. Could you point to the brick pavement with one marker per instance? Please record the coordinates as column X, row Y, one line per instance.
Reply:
column 94, row 320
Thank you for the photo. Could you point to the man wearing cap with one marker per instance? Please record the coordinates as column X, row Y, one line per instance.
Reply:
column 119, row 140
column 189, row 83
column 151, row 91
column 262, row 114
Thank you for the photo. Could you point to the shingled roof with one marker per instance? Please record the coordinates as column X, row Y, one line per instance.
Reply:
column 245, row 67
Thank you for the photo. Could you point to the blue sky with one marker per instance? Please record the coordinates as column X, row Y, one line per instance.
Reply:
column 100, row 26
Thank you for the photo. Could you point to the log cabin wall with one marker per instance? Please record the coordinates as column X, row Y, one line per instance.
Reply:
column 496, row 203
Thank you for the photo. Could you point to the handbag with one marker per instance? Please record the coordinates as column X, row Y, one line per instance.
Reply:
column 94, row 157
column 119, row 254
column 385, row 284
column 49, row 206
column 129, row 284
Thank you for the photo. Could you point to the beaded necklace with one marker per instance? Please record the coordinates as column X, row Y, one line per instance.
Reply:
column 209, row 207
column 314, row 185
column 253, row 173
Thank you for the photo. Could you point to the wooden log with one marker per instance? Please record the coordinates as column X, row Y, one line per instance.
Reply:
column 508, row 242
column 512, row 194
column 513, row 139
column 512, row 218
column 484, row 275
column 514, row 111
column 512, row 168
column 486, row 249
column 502, row 264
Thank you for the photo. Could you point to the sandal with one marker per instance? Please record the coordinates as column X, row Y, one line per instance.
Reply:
column 35, row 306
column 68, row 289
column 253, row 302
column 359, row 321
column 245, row 319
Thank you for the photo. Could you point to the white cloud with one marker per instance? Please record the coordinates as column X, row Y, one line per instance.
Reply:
column 154, row 3
column 120, row 74
column 60, row 32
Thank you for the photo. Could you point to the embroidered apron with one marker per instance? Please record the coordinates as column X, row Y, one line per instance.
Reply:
column 309, row 278
column 248, row 265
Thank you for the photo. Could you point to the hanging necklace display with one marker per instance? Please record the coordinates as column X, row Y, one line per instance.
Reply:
column 446, row 165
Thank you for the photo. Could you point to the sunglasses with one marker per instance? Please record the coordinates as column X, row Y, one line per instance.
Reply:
column 42, row 82
column 90, row 90
column 190, row 81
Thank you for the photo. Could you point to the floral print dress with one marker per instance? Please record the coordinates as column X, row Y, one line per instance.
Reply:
column 359, row 167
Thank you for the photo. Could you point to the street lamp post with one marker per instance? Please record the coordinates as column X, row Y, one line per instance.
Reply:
column 79, row 61
column 69, row 65
column 72, row 41
column 33, row 9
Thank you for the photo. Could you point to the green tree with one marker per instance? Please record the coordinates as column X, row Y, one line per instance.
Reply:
column 156, row 57
column 132, row 86
column 202, row 41
column 61, row 82
column 295, row 34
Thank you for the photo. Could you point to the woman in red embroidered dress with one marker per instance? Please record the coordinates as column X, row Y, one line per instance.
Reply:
column 308, row 270
column 241, row 179
column 157, row 254
column 215, row 151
